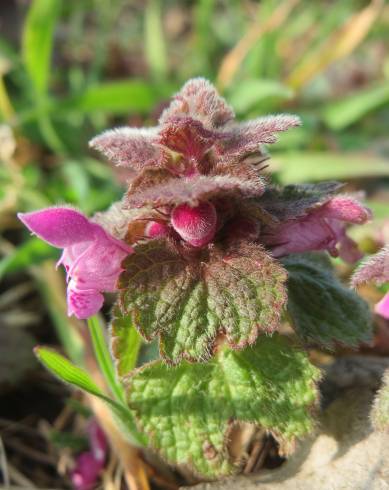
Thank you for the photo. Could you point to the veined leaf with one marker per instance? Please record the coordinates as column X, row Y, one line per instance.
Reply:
column 38, row 41
column 66, row 371
column 320, row 307
column 187, row 410
column 188, row 302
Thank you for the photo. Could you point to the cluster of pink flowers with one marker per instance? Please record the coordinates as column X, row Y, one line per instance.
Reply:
column 195, row 178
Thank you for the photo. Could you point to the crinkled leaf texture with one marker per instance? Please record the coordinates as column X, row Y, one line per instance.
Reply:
column 187, row 302
column 321, row 308
column 187, row 410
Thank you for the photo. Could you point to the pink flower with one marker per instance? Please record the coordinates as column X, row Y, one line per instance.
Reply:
column 323, row 228
column 85, row 475
column 92, row 258
column 90, row 463
column 375, row 268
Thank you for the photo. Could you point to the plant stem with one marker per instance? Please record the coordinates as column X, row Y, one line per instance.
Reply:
column 104, row 359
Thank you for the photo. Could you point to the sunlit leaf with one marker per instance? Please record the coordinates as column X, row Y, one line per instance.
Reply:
column 187, row 410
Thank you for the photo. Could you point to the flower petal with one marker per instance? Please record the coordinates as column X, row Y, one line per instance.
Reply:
column 86, row 473
column 382, row 308
column 348, row 209
column 83, row 303
column 59, row 226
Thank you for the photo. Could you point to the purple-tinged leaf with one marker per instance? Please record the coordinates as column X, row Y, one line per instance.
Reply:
column 246, row 138
column 193, row 190
column 188, row 301
column 199, row 100
column 130, row 147
column 188, row 137
column 375, row 268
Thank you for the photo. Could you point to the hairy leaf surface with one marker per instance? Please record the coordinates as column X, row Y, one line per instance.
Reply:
column 188, row 301
column 294, row 201
column 187, row 410
column 321, row 308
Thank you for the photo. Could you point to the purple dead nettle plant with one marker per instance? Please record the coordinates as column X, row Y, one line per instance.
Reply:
column 209, row 258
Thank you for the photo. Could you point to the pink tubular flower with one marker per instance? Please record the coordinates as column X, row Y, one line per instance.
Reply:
column 92, row 258
column 323, row 228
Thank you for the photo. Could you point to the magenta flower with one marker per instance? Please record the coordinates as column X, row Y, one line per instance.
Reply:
column 322, row 228
column 90, row 463
column 376, row 269
column 92, row 258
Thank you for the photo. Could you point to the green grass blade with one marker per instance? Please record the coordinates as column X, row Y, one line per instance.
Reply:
column 37, row 41
column 296, row 167
column 348, row 110
column 154, row 40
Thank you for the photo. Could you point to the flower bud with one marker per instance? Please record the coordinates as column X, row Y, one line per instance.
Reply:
column 196, row 225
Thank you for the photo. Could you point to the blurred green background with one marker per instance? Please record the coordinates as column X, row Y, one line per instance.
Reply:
column 71, row 68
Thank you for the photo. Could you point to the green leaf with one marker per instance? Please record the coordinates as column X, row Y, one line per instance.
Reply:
column 188, row 410
column 125, row 342
column 63, row 369
column 348, row 110
column 38, row 41
column 295, row 167
column 320, row 307
column 248, row 94
column 31, row 252
column 118, row 97
column 187, row 302
column 66, row 371
column 380, row 411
